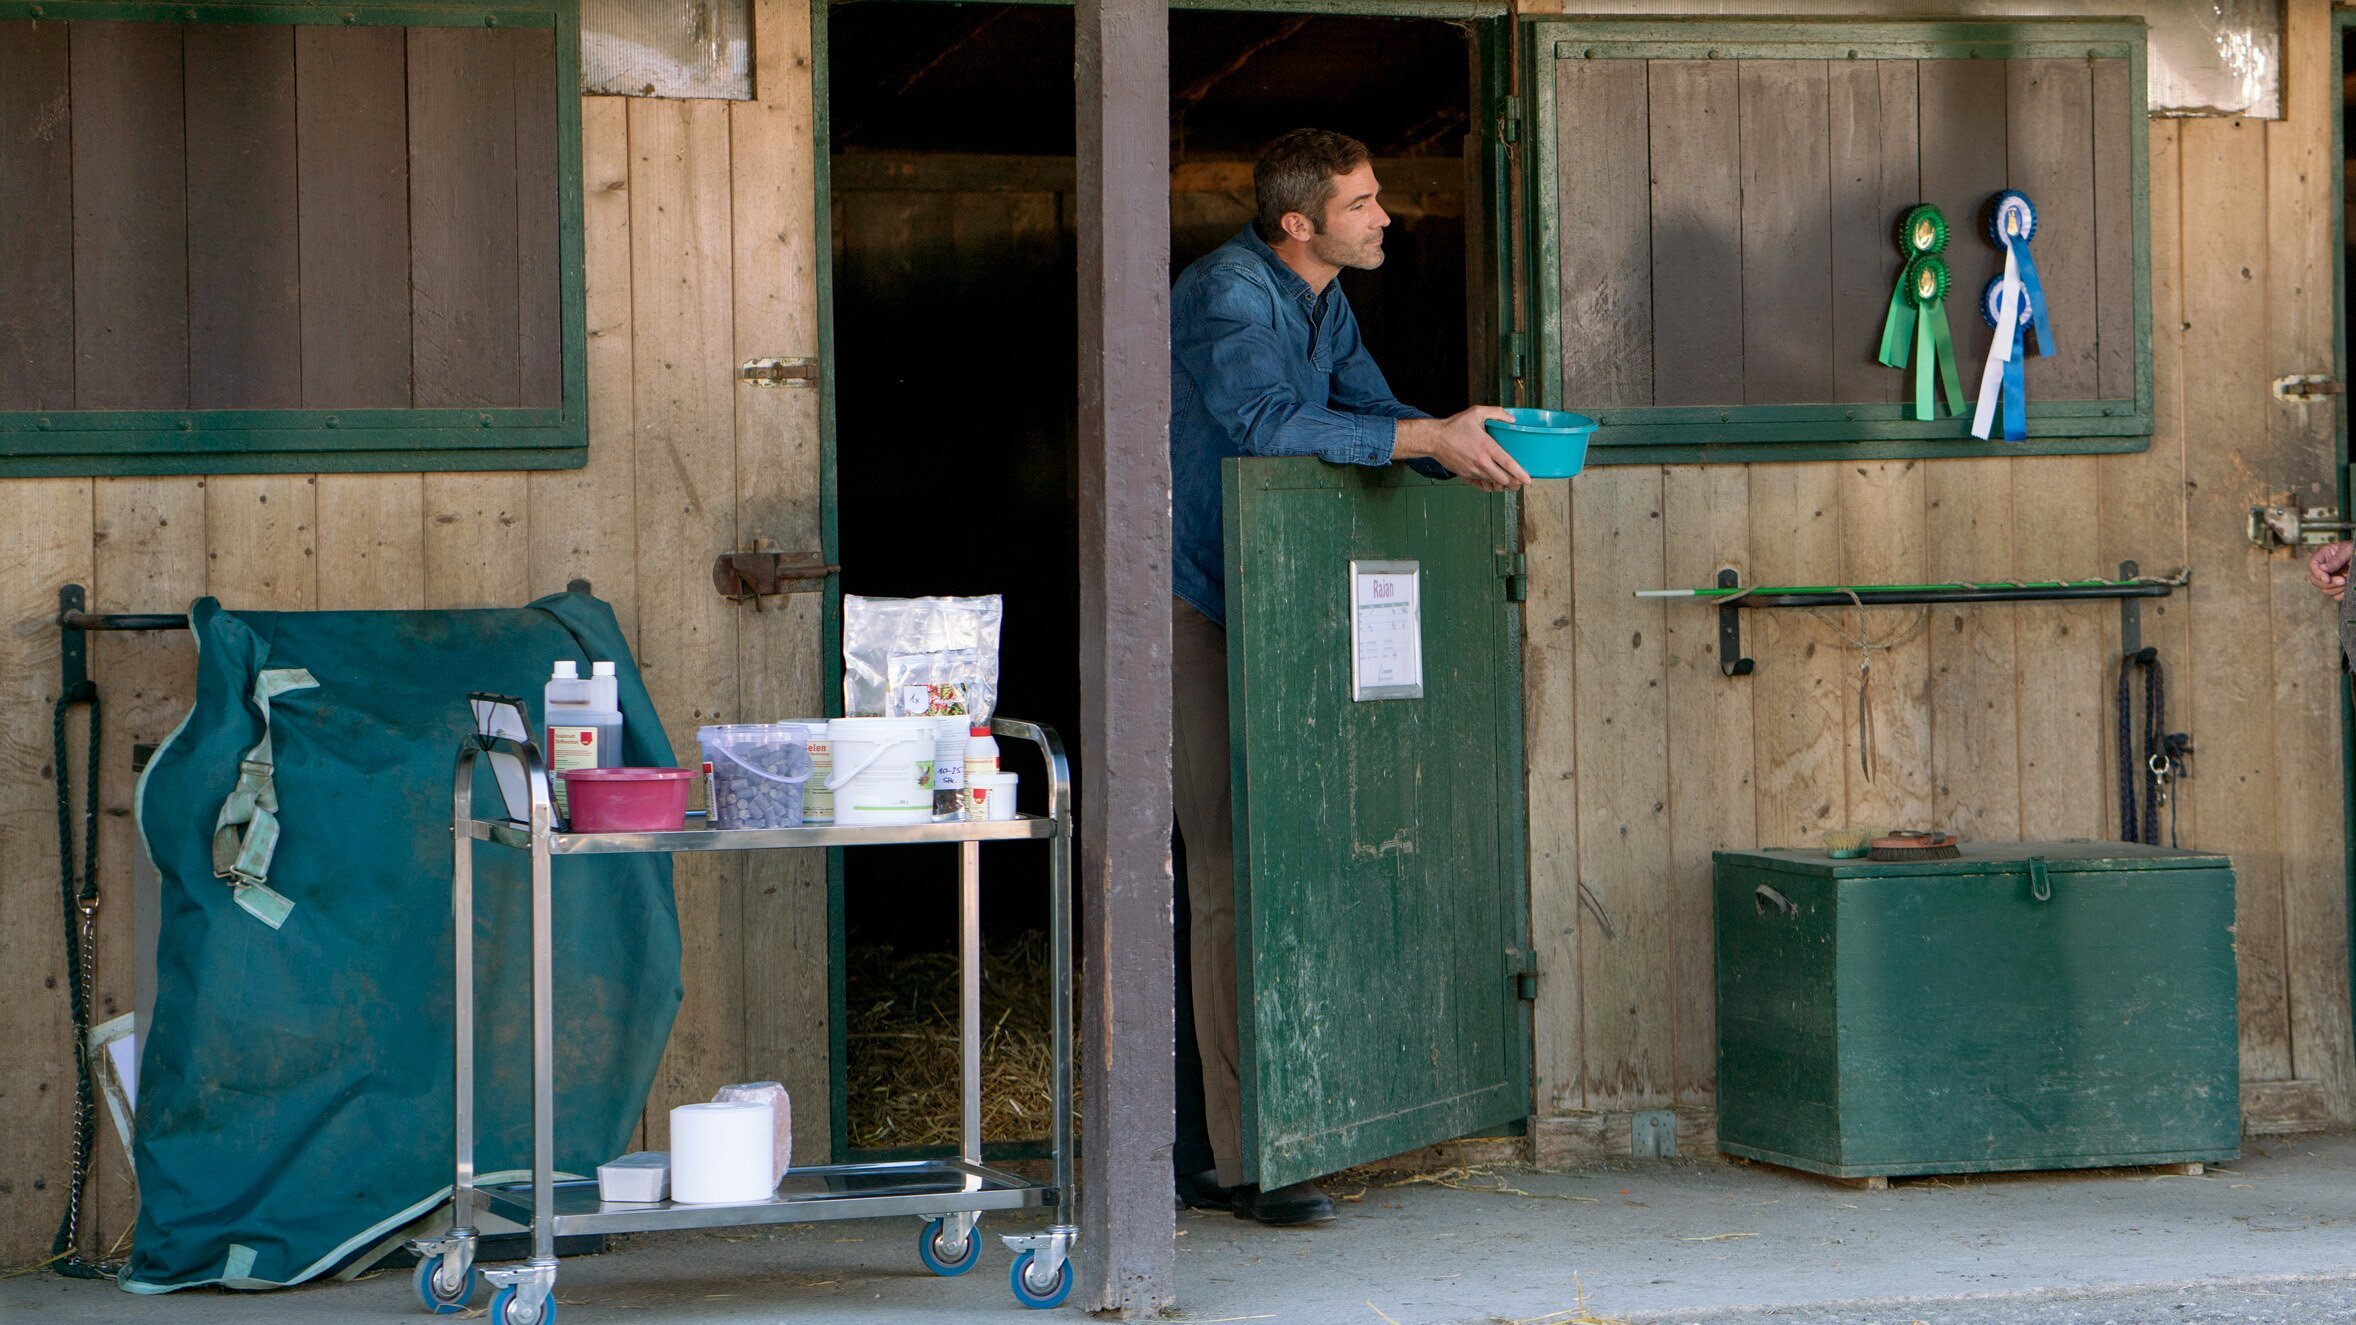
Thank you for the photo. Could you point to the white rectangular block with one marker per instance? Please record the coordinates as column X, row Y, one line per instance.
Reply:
column 642, row 1176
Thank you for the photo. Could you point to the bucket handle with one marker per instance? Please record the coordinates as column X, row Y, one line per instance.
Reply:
column 730, row 756
column 838, row 780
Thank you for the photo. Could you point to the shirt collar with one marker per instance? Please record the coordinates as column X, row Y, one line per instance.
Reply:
column 1287, row 279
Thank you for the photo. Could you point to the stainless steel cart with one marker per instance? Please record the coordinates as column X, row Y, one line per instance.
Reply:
column 950, row 1195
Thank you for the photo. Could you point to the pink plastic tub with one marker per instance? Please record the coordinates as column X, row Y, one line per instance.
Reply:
column 627, row 800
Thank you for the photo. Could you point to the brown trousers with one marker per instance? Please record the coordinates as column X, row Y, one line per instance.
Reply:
column 1206, row 819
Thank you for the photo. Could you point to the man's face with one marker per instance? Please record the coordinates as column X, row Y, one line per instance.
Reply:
column 1353, row 232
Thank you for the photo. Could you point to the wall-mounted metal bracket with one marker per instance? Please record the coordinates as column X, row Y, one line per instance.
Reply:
column 1731, row 661
column 2129, row 587
column 2130, row 614
column 73, row 647
column 75, row 621
column 1652, row 1134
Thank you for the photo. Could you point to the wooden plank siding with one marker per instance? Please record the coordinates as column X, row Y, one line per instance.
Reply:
column 775, row 255
column 670, row 436
column 681, row 467
column 1992, row 721
column 272, row 216
column 36, row 165
column 2299, row 332
column 687, row 489
column 2064, row 711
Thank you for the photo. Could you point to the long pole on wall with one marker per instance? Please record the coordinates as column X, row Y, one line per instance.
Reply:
column 1128, row 1244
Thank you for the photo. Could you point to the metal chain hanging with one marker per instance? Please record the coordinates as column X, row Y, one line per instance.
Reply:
column 79, row 890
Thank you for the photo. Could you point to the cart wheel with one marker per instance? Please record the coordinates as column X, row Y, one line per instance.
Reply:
column 1029, row 1293
column 928, row 1247
column 504, row 1310
column 436, row 1301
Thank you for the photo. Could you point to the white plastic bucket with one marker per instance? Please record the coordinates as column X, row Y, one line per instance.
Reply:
column 883, row 770
column 993, row 795
column 817, row 800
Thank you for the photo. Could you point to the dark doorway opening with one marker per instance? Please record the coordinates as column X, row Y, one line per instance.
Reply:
column 955, row 285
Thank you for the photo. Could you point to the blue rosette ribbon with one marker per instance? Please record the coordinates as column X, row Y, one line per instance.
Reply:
column 2012, row 382
column 1915, row 332
column 2014, row 304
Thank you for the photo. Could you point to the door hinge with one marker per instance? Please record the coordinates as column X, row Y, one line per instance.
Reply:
column 2274, row 527
column 1509, row 120
column 1524, row 963
column 1516, row 347
column 1514, row 569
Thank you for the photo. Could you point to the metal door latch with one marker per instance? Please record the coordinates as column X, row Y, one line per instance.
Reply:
column 763, row 570
column 2274, row 527
column 2306, row 387
column 779, row 372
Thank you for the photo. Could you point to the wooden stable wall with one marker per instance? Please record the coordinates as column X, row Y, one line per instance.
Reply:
column 701, row 253
column 1992, row 721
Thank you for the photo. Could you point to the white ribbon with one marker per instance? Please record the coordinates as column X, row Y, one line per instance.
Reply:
column 2009, row 293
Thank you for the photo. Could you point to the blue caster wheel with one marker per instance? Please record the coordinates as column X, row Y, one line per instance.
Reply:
column 505, row 1310
column 436, row 1301
column 928, row 1247
column 1028, row 1293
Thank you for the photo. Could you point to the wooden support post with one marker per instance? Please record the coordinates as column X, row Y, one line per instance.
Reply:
column 1128, row 1246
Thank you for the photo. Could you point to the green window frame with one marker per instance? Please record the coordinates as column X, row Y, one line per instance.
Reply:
column 111, row 442
column 2107, row 422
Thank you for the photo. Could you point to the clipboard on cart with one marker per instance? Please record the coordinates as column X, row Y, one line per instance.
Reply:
column 503, row 715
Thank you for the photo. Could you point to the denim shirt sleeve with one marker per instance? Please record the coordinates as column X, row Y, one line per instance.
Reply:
column 1229, row 341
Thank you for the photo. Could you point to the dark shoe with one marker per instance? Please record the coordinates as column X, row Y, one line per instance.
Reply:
column 1300, row 1203
column 1201, row 1191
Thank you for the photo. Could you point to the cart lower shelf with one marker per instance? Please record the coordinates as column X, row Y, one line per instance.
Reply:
column 847, row 1191
column 949, row 1195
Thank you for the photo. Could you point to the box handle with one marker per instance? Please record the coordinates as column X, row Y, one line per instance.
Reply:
column 1766, row 897
column 2040, row 884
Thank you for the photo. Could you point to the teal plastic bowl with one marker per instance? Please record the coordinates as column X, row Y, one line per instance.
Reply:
column 1548, row 443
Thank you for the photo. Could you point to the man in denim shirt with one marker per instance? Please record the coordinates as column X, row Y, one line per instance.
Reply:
column 1266, row 360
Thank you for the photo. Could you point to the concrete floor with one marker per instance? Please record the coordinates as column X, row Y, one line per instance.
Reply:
column 2270, row 1240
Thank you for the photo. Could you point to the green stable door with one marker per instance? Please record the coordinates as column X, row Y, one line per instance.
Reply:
column 1381, row 897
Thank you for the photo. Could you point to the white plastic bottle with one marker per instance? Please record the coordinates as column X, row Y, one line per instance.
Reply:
column 584, row 727
column 605, row 689
column 981, row 756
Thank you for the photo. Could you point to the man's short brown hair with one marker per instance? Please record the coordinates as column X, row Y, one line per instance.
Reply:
column 1296, row 174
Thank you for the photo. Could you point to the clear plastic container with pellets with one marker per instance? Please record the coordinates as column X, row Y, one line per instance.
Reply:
column 759, row 771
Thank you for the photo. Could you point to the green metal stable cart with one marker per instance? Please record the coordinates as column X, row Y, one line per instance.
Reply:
column 2029, row 1006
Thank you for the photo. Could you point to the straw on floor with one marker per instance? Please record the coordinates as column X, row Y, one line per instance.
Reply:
column 903, row 1083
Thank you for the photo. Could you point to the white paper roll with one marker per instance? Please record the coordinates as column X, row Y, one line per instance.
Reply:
column 721, row 1153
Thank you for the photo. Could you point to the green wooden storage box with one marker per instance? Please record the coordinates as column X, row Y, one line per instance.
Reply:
column 2029, row 1006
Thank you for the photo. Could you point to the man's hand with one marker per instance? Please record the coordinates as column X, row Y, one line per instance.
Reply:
column 1464, row 446
column 2328, row 568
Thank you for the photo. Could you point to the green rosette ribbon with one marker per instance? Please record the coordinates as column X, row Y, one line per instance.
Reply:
column 1916, row 330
